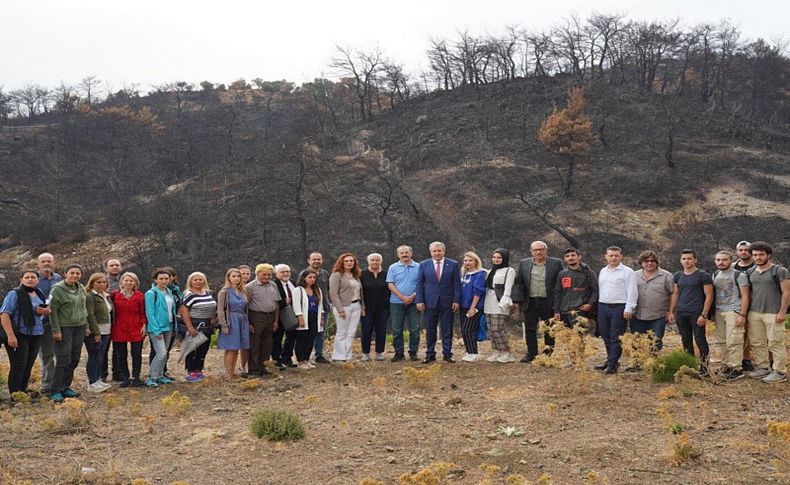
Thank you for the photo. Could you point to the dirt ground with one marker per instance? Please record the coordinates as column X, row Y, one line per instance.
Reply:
column 492, row 423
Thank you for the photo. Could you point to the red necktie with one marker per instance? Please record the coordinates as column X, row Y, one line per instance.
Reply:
column 438, row 271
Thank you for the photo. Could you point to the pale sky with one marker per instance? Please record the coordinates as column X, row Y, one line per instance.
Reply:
column 150, row 42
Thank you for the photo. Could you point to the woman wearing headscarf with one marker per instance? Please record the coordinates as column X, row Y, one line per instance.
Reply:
column 21, row 318
column 499, row 286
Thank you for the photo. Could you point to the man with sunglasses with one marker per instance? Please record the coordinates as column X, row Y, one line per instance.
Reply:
column 654, row 287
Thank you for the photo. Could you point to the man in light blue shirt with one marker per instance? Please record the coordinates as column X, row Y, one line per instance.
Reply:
column 617, row 297
column 402, row 282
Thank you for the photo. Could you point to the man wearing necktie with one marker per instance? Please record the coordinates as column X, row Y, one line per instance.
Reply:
column 438, row 297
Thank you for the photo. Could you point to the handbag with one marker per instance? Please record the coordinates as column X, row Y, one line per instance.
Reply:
column 499, row 288
column 288, row 318
column 190, row 343
column 482, row 329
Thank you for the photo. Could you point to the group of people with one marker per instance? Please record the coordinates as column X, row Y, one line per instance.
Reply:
column 266, row 315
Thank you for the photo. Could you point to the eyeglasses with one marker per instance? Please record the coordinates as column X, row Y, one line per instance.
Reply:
column 538, row 249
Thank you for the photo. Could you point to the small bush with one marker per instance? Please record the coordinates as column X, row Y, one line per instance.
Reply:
column 176, row 403
column 21, row 397
column 779, row 430
column 277, row 425
column 683, row 451
column 433, row 474
column 667, row 365
column 421, row 378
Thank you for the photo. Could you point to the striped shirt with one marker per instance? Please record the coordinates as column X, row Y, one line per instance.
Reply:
column 200, row 306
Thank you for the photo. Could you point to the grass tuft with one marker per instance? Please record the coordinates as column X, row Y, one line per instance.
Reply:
column 277, row 425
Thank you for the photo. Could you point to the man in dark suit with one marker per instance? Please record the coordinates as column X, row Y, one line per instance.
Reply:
column 534, row 288
column 438, row 297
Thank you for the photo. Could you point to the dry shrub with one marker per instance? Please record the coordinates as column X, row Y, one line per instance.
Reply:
column 551, row 407
column 179, row 482
column 20, row 397
column 683, row 451
column 148, row 420
column 421, row 378
column 176, row 403
column 312, row 398
column 141, row 481
column 72, row 414
column 779, row 430
column 639, row 348
column 490, row 470
column 8, row 478
column 670, row 392
column 111, row 400
column 379, row 382
column 686, row 374
column 433, row 474
column 544, row 360
column 135, row 409
column 544, row 479
column 370, row 481
column 251, row 385
column 516, row 479
column 571, row 341
column 594, row 477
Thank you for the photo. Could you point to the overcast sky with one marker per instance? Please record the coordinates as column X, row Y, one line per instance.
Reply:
column 149, row 42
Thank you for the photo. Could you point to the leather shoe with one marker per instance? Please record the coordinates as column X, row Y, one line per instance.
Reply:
column 600, row 366
column 320, row 360
column 428, row 360
column 397, row 358
column 610, row 370
column 527, row 359
column 448, row 359
column 413, row 357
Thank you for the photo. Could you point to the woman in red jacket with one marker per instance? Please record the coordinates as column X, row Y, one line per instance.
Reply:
column 129, row 327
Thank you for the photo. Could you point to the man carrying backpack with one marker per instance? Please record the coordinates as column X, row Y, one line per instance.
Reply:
column 767, row 314
column 732, row 305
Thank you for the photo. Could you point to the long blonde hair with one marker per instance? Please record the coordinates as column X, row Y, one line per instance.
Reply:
column 93, row 279
column 240, row 288
column 478, row 261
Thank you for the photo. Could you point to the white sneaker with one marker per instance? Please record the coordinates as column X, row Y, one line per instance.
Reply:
column 96, row 387
column 105, row 384
column 471, row 357
column 494, row 356
column 303, row 366
column 379, row 356
column 365, row 357
column 774, row 377
column 759, row 373
column 465, row 358
column 310, row 365
column 506, row 358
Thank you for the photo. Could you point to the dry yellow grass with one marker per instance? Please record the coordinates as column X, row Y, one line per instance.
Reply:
column 176, row 403
column 779, row 430
column 421, row 378
column 433, row 474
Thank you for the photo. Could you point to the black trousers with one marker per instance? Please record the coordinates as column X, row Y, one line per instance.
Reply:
column 306, row 338
column 537, row 310
column 691, row 332
column 469, row 330
column 196, row 360
column 22, row 359
column 120, row 355
column 67, row 356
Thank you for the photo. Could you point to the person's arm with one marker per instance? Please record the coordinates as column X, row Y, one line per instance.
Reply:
column 150, row 311
column 593, row 299
column 631, row 295
column 420, row 290
column 456, row 274
column 222, row 317
column 784, row 285
column 334, row 293
column 557, row 296
column 90, row 306
column 54, row 317
column 478, row 293
column 707, row 288
column 743, row 312
column 183, row 312
column 673, row 304
column 5, row 321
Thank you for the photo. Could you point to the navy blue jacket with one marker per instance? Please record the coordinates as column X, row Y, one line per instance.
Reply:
column 439, row 294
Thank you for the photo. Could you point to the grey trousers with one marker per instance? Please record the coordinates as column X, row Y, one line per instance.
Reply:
column 47, row 356
column 67, row 356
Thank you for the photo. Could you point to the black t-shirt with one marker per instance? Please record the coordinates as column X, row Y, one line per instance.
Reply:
column 692, row 295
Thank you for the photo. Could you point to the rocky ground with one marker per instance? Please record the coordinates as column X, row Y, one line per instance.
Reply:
column 461, row 423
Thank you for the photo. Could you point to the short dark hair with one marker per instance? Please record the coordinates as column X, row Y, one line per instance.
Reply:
column 761, row 246
column 688, row 251
column 571, row 250
column 649, row 254
column 159, row 271
column 72, row 266
column 613, row 248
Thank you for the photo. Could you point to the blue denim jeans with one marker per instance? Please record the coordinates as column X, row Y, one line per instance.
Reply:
column 96, row 353
column 318, row 346
column 160, row 345
column 400, row 314
column 611, row 325
column 657, row 326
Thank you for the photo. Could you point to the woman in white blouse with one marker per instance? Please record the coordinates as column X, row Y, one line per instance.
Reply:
column 499, row 285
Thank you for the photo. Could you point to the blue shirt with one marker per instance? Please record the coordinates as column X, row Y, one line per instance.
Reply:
column 404, row 277
column 473, row 284
column 45, row 285
column 10, row 307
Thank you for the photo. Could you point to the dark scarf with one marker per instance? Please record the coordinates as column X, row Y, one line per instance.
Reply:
column 25, row 306
column 505, row 263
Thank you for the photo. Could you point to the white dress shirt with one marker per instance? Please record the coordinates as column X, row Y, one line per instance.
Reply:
column 618, row 285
